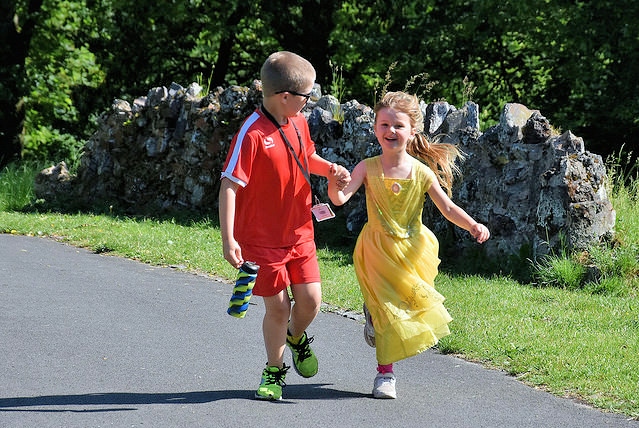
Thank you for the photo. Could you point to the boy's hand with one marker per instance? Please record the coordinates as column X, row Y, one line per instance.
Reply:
column 233, row 253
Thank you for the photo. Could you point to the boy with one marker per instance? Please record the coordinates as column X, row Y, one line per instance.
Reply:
column 265, row 214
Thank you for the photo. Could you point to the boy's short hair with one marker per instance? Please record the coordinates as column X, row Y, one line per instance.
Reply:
column 286, row 71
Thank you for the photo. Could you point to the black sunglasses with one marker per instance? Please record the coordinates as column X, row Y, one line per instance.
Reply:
column 307, row 96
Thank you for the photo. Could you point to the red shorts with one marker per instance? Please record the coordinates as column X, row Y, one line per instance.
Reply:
column 281, row 267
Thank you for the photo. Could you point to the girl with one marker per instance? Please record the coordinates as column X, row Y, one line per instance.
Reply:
column 396, row 256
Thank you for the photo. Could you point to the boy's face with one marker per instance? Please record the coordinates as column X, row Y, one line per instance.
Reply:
column 295, row 101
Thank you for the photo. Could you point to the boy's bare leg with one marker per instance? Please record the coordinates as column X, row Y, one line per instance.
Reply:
column 278, row 311
column 308, row 299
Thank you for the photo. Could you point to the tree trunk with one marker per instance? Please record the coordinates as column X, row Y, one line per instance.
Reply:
column 14, row 48
column 218, row 77
column 308, row 35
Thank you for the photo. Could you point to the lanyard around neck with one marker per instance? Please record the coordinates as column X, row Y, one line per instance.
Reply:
column 305, row 168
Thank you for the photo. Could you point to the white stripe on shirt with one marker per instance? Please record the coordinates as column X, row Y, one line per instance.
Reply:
column 228, row 172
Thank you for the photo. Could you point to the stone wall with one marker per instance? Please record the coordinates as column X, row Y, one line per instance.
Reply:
column 535, row 190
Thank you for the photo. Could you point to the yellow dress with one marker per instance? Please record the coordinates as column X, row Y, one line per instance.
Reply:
column 396, row 259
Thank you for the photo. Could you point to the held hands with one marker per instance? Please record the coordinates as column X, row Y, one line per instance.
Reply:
column 339, row 175
column 480, row 232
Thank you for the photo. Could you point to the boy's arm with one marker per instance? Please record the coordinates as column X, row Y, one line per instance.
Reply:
column 320, row 166
column 457, row 215
column 230, row 247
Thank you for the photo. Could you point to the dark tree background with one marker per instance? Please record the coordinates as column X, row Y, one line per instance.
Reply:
column 62, row 62
column 14, row 48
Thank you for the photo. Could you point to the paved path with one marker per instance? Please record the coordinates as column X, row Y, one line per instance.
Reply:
column 91, row 340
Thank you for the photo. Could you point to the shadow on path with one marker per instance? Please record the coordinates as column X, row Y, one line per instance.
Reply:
column 292, row 392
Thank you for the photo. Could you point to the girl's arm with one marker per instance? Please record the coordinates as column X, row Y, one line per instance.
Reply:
column 341, row 196
column 456, row 215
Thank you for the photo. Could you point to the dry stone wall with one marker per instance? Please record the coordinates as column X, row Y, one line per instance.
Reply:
column 537, row 191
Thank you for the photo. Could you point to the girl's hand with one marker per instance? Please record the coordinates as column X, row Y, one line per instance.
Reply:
column 339, row 175
column 480, row 232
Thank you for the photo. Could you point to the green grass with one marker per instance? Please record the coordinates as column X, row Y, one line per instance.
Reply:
column 192, row 245
column 16, row 186
column 572, row 344
column 577, row 339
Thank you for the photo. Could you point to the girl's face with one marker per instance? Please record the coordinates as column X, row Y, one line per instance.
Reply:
column 393, row 129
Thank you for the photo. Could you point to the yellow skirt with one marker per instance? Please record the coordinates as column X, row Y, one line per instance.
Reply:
column 396, row 277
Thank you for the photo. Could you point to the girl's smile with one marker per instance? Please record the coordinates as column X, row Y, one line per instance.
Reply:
column 393, row 128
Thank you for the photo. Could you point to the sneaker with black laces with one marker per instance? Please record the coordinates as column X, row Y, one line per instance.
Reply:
column 304, row 360
column 384, row 386
column 272, row 383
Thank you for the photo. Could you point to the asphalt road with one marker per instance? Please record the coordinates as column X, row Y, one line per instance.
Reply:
column 92, row 340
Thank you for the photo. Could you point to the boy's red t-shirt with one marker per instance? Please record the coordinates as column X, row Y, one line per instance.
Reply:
column 273, row 204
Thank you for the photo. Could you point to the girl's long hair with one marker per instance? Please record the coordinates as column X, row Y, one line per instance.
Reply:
column 440, row 157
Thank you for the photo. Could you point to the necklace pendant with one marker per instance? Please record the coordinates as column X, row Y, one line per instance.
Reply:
column 396, row 187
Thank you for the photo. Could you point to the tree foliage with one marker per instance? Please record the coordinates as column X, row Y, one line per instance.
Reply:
column 62, row 64
column 64, row 61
